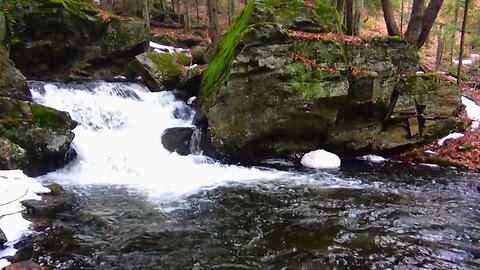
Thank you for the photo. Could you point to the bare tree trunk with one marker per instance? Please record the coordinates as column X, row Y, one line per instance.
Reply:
column 146, row 12
column 428, row 20
column 196, row 11
column 455, row 21
column 213, row 27
column 440, row 42
column 349, row 17
column 415, row 24
column 231, row 11
column 402, row 15
column 358, row 14
column 392, row 27
column 462, row 41
column 186, row 15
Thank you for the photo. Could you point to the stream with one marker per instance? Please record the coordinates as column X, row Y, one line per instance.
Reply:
column 140, row 207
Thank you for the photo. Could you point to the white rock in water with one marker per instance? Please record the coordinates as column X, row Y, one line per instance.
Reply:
column 320, row 159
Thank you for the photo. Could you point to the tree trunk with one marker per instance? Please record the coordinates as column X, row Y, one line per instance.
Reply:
column 455, row 21
column 349, row 17
column 415, row 24
column 196, row 11
column 146, row 12
column 392, row 27
column 231, row 11
column 440, row 39
column 462, row 41
column 357, row 22
column 340, row 6
column 402, row 15
column 186, row 15
column 428, row 20
column 213, row 27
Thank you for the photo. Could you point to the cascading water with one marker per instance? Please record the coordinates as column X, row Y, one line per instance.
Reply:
column 118, row 141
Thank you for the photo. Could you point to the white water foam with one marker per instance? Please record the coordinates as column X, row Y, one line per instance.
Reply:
column 118, row 141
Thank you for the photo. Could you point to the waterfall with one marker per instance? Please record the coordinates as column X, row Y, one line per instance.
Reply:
column 118, row 142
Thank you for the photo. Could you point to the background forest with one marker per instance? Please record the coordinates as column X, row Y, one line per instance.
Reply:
column 361, row 18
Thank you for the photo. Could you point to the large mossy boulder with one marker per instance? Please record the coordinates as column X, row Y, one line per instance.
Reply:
column 71, row 40
column 284, row 80
column 34, row 137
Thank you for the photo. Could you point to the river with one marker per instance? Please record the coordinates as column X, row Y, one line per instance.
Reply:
column 140, row 207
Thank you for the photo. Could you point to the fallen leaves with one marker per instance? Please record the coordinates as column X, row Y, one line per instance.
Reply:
column 342, row 39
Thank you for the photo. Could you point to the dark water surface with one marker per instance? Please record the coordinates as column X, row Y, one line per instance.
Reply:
column 403, row 217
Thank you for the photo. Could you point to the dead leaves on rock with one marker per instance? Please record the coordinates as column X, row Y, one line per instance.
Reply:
column 342, row 39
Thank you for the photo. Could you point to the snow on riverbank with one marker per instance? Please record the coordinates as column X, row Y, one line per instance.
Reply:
column 473, row 112
column 15, row 187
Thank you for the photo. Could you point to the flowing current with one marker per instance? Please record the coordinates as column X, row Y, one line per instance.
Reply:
column 140, row 207
column 118, row 141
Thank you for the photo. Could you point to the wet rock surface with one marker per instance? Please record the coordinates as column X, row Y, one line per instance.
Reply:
column 35, row 138
column 178, row 139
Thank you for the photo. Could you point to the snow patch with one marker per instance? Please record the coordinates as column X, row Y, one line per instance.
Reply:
column 452, row 136
column 165, row 49
column 320, row 159
column 473, row 111
column 372, row 158
column 14, row 188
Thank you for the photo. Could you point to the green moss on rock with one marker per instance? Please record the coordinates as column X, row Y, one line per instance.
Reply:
column 165, row 62
column 222, row 58
column 123, row 34
column 82, row 9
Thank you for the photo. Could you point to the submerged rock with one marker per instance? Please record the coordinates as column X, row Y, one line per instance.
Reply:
column 283, row 81
column 85, row 43
column 320, row 159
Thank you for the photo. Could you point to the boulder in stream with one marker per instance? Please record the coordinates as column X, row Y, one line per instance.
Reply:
column 284, row 80
column 177, row 139
column 35, row 138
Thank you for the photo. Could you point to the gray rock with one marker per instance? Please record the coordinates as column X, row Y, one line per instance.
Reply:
column 89, row 47
column 178, row 139
column 267, row 93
